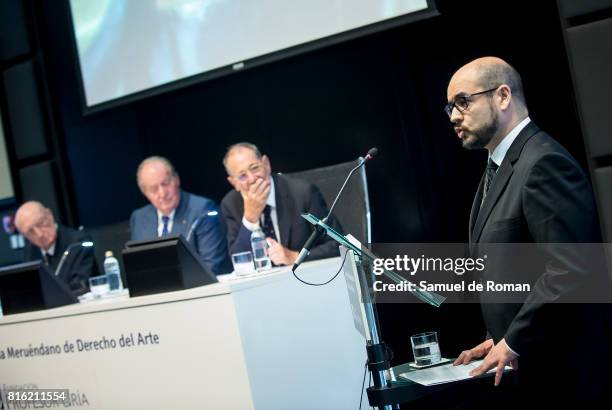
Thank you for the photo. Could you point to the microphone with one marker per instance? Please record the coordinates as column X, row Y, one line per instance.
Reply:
column 371, row 154
column 197, row 221
column 85, row 244
column 319, row 231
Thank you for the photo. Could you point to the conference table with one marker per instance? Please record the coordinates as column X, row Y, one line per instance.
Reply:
column 265, row 341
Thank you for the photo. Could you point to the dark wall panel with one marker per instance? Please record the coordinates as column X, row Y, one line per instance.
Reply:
column 25, row 114
column 603, row 180
column 574, row 8
column 591, row 56
column 14, row 40
column 9, row 252
column 303, row 113
column 103, row 158
column 39, row 183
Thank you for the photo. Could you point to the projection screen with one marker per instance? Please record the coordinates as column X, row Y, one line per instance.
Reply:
column 126, row 47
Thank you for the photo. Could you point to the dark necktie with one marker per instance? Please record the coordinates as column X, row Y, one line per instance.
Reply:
column 268, row 226
column 47, row 258
column 165, row 220
column 490, row 174
column 52, row 260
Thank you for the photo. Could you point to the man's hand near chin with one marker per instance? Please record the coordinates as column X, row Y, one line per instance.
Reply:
column 255, row 198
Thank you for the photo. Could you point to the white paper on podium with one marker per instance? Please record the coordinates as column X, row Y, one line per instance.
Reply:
column 444, row 374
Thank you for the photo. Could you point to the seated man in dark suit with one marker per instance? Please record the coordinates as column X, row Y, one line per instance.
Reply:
column 176, row 212
column 273, row 203
column 50, row 243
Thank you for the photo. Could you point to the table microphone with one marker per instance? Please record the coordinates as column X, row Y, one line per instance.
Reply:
column 85, row 244
column 319, row 231
column 197, row 221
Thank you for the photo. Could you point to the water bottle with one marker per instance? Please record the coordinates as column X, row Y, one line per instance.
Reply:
column 111, row 269
column 260, row 250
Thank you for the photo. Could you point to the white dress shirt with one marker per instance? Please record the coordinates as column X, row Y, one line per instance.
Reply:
column 160, row 222
column 50, row 251
column 500, row 151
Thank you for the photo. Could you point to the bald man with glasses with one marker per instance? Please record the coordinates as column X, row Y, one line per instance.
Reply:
column 273, row 203
column 532, row 191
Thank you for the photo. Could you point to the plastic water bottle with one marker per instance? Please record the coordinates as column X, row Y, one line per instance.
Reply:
column 111, row 269
column 260, row 250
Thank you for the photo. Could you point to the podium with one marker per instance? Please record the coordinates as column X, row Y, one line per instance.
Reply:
column 385, row 394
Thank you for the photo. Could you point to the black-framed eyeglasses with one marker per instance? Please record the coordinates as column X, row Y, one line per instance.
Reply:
column 462, row 102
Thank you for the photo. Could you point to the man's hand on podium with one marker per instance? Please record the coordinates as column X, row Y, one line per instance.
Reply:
column 475, row 353
column 499, row 356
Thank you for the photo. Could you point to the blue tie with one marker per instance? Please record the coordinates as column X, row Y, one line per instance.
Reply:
column 165, row 220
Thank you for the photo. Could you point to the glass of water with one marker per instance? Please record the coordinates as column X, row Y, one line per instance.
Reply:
column 425, row 348
column 243, row 263
column 99, row 286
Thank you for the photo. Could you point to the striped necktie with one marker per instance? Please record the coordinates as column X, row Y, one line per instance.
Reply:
column 165, row 220
column 489, row 176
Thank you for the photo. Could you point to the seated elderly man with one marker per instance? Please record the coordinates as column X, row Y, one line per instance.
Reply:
column 273, row 203
column 173, row 211
column 49, row 241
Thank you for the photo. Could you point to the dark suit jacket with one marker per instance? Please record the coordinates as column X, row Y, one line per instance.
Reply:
column 540, row 195
column 78, row 266
column 293, row 198
column 208, row 236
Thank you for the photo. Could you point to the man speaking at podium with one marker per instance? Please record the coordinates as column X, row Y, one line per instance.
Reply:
column 273, row 203
column 49, row 241
column 533, row 191
column 175, row 212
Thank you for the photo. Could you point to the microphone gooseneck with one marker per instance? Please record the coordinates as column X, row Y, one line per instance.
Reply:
column 70, row 247
column 197, row 221
column 370, row 155
column 319, row 231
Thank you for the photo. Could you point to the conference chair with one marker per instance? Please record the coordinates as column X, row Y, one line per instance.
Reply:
column 353, row 208
column 110, row 238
